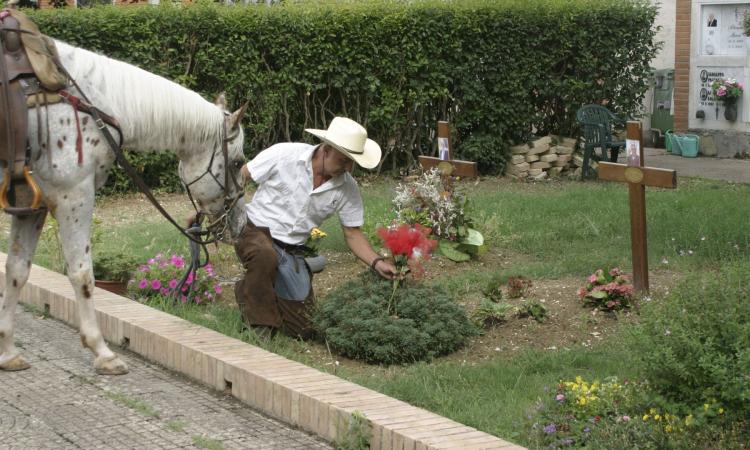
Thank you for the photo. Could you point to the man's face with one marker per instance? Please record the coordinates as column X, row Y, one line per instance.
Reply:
column 335, row 162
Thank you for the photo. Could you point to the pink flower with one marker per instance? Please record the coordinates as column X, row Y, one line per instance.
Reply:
column 164, row 291
column 173, row 283
column 143, row 284
column 183, row 299
column 189, row 278
column 217, row 288
column 560, row 398
column 155, row 285
column 626, row 418
column 143, row 269
column 582, row 292
column 593, row 278
column 178, row 261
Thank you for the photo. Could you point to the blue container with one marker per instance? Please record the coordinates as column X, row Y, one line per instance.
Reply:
column 687, row 144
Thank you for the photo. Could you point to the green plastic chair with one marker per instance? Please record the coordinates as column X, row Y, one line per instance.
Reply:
column 597, row 123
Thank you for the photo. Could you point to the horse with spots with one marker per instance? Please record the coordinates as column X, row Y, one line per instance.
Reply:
column 154, row 115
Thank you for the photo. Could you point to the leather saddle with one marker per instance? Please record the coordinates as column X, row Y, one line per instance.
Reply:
column 19, row 83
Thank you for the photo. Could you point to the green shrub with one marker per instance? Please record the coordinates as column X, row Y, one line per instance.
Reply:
column 352, row 319
column 397, row 67
column 695, row 345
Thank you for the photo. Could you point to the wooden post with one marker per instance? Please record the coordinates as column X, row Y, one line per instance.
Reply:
column 638, row 177
column 445, row 161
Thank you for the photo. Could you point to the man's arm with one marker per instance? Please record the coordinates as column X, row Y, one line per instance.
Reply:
column 359, row 245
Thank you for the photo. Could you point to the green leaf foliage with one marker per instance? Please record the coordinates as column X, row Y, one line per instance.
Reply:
column 495, row 70
column 354, row 322
column 695, row 344
column 451, row 251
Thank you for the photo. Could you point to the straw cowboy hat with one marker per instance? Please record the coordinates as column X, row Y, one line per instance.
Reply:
column 350, row 138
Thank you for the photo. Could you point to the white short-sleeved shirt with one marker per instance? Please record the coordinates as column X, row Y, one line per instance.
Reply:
column 285, row 201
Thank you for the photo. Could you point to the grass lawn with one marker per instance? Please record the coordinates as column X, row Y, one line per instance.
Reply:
column 555, row 233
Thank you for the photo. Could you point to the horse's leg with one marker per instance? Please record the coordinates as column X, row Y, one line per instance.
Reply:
column 24, row 236
column 74, row 217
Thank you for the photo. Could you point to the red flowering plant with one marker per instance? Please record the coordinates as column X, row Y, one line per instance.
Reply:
column 409, row 246
column 608, row 291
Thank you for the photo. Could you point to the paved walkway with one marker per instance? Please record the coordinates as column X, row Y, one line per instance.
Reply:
column 61, row 404
column 735, row 170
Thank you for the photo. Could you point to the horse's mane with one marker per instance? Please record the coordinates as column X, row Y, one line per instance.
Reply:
column 154, row 113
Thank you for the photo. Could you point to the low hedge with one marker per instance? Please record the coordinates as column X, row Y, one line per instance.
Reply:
column 498, row 71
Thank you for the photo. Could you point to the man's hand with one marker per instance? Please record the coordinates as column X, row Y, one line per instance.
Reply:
column 385, row 269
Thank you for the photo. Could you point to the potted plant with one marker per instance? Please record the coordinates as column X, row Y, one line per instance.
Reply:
column 113, row 270
column 728, row 91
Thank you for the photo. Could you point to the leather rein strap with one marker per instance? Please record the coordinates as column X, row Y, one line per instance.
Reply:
column 193, row 236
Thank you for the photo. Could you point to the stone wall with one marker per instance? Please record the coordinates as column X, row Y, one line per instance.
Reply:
column 546, row 157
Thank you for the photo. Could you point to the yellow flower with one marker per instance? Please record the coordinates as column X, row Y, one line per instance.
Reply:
column 689, row 420
column 645, row 417
column 317, row 233
column 657, row 418
column 668, row 428
column 721, row 410
column 705, row 407
column 582, row 401
column 652, row 411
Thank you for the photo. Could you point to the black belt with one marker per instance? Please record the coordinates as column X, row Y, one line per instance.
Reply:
column 300, row 250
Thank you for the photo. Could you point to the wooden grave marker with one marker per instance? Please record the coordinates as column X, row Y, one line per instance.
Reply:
column 638, row 177
column 444, row 159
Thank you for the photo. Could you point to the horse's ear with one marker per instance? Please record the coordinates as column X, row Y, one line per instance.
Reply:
column 221, row 101
column 236, row 118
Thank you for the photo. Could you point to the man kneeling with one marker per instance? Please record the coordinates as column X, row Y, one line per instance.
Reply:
column 300, row 186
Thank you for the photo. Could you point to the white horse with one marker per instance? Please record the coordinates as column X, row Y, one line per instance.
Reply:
column 154, row 114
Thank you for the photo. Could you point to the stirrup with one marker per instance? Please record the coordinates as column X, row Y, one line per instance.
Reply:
column 36, row 200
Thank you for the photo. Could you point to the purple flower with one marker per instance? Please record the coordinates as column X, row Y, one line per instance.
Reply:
column 143, row 284
column 155, row 285
column 551, row 428
column 587, row 430
column 143, row 268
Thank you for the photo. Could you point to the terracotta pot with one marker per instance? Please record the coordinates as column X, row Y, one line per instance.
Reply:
column 115, row 287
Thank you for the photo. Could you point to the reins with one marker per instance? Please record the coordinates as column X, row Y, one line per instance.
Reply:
column 197, row 237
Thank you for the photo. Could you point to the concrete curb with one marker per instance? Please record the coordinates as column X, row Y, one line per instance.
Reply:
column 289, row 391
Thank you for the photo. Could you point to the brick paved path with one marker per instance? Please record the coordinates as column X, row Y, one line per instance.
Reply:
column 61, row 403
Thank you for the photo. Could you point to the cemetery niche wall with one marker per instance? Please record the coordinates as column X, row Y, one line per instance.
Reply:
column 719, row 51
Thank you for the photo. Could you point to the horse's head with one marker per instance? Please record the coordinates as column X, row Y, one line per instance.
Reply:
column 213, row 178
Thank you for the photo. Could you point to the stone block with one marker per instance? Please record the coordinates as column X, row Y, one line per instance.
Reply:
column 531, row 158
column 517, row 159
column 540, row 165
column 535, row 172
column 563, row 150
column 548, row 158
column 517, row 168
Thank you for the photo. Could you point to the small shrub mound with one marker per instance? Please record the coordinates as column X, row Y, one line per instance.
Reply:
column 695, row 345
column 354, row 322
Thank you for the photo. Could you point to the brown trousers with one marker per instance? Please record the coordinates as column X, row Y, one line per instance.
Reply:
column 255, row 294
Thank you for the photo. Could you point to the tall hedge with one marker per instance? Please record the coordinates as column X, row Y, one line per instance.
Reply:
column 497, row 70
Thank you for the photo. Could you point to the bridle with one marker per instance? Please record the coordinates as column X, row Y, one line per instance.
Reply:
column 218, row 226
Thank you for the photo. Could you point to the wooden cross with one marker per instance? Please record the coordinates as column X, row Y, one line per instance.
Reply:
column 638, row 177
column 444, row 161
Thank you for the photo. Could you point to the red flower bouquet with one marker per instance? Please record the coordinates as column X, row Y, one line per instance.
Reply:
column 409, row 245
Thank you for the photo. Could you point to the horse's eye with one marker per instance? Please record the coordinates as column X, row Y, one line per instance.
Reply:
column 238, row 164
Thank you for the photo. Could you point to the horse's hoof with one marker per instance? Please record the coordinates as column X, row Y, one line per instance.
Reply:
column 17, row 363
column 110, row 366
